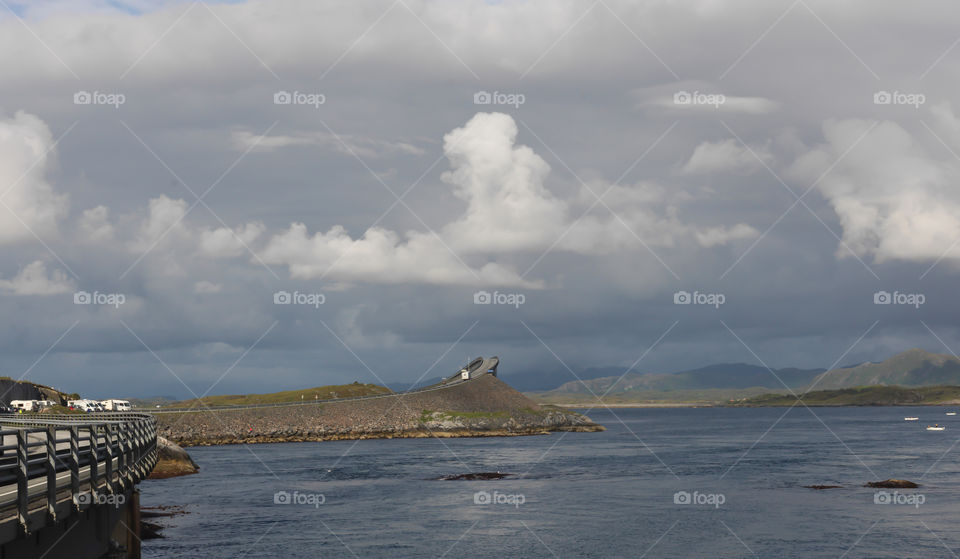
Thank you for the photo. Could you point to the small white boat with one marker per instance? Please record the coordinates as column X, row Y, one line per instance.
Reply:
column 935, row 428
column 951, row 413
column 911, row 418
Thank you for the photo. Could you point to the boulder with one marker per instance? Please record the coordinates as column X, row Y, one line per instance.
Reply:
column 893, row 484
column 172, row 461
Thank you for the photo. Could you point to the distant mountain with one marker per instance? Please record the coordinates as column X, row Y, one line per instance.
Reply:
column 541, row 381
column 725, row 375
column 914, row 367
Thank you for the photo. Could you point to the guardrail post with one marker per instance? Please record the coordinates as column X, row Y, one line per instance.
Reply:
column 75, row 466
column 94, row 461
column 52, row 473
column 122, row 459
column 22, row 495
column 108, row 445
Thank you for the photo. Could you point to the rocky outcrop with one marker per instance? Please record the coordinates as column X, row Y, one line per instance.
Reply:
column 172, row 461
column 893, row 484
column 480, row 408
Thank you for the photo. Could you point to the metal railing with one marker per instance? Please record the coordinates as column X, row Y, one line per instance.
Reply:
column 48, row 459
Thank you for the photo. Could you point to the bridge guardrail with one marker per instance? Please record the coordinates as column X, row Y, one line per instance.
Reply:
column 42, row 457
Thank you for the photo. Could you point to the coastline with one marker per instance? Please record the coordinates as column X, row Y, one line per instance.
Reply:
column 484, row 407
column 423, row 434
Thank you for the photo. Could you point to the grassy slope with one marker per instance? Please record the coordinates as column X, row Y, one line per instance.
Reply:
column 913, row 367
column 318, row 393
column 865, row 396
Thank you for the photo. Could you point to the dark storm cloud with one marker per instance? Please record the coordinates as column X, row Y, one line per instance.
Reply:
column 696, row 202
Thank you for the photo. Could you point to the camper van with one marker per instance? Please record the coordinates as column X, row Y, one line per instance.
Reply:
column 25, row 405
column 88, row 406
column 116, row 405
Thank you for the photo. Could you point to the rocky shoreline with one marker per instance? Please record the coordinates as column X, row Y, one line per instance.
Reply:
column 485, row 407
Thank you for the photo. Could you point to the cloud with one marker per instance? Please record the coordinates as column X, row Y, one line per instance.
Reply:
column 205, row 287
column 508, row 210
column 229, row 243
column 30, row 205
column 508, row 206
column 379, row 256
column 725, row 156
column 894, row 199
column 346, row 144
column 34, row 280
column 94, row 225
column 164, row 223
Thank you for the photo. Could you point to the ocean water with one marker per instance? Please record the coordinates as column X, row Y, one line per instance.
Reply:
column 705, row 482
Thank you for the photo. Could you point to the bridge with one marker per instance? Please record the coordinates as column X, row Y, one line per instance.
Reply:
column 476, row 368
column 68, row 484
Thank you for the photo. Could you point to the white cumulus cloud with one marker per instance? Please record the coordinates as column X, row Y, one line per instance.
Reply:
column 34, row 280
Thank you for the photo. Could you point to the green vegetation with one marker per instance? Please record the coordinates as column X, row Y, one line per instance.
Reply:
column 306, row 395
column 863, row 396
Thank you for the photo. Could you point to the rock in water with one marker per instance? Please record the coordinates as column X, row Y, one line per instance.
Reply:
column 172, row 461
column 474, row 476
column 893, row 484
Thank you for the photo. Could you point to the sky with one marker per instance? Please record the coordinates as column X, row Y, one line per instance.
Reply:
column 208, row 198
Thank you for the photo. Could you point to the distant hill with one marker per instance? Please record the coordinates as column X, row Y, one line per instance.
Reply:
column 914, row 367
column 306, row 394
column 539, row 381
column 720, row 376
column 864, row 396
column 151, row 402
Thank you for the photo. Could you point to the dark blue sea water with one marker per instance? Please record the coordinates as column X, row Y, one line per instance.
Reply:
column 609, row 494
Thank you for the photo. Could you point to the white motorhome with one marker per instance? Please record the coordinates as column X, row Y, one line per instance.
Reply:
column 85, row 405
column 25, row 405
column 116, row 405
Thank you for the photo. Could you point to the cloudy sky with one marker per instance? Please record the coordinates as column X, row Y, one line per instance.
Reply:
column 262, row 195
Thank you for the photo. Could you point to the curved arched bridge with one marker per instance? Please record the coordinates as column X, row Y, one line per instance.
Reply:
column 475, row 369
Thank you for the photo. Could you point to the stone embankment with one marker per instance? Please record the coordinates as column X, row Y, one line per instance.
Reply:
column 483, row 407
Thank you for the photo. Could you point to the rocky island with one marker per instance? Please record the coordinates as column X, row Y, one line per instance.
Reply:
column 481, row 407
